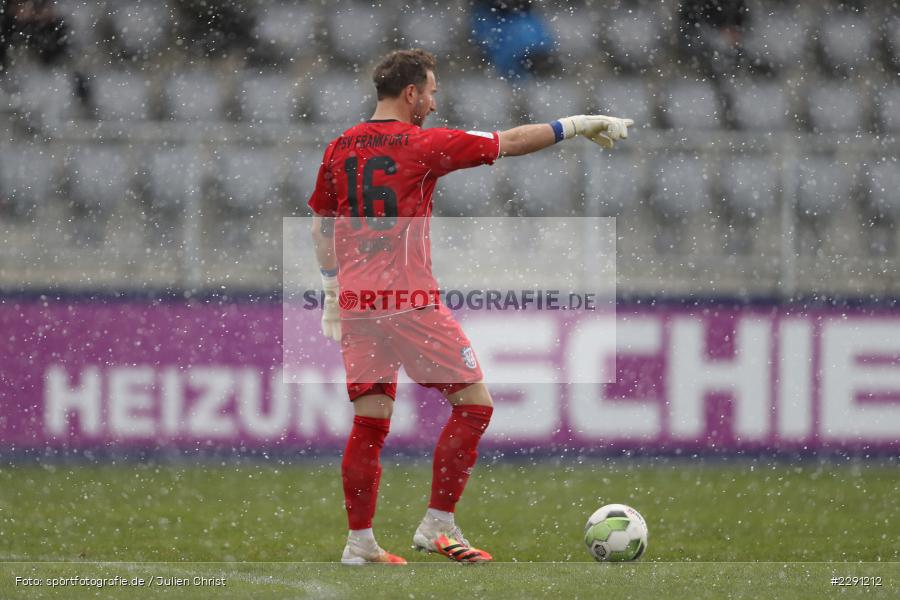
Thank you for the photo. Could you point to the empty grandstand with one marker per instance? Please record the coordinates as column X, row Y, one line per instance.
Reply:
column 160, row 144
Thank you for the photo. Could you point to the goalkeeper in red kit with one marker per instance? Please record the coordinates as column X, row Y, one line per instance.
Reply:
column 372, row 205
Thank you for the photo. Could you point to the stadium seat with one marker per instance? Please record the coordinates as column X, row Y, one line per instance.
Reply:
column 823, row 184
column 267, row 98
column 139, row 27
column 892, row 37
column 20, row 187
column 542, row 184
column 692, row 105
column 355, row 31
column 340, row 98
column 883, row 184
column 174, row 177
column 887, row 107
column 301, row 172
column 835, row 106
column 749, row 185
column 44, row 98
column 97, row 176
column 194, row 96
column 492, row 108
column 625, row 96
column 550, row 99
column 576, row 33
column 469, row 192
column 759, row 105
column 431, row 28
column 631, row 36
column 680, row 186
column 285, row 30
column 120, row 96
column 846, row 40
column 777, row 39
column 613, row 185
column 81, row 19
column 247, row 177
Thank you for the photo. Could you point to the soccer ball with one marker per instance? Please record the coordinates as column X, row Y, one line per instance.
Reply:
column 616, row 533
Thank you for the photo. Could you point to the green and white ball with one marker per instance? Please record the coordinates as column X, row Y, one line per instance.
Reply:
column 616, row 533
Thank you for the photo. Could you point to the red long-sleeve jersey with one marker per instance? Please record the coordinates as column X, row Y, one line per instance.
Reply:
column 378, row 178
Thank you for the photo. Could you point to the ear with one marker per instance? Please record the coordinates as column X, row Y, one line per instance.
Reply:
column 409, row 93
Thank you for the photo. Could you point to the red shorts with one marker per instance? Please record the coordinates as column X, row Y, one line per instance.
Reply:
column 428, row 343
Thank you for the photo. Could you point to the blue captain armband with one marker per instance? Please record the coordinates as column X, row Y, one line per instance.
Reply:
column 558, row 131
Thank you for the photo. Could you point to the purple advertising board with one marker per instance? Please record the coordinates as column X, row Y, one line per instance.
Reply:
column 207, row 375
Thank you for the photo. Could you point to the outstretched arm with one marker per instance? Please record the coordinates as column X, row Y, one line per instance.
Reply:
column 600, row 129
column 526, row 139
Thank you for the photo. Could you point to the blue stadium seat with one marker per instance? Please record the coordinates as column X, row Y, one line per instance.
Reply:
column 194, row 96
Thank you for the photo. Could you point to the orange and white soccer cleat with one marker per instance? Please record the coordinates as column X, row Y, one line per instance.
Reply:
column 460, row 551
column 368, row 553
column 434, row 535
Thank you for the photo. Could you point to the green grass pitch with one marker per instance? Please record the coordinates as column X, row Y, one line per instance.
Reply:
column 738, row 529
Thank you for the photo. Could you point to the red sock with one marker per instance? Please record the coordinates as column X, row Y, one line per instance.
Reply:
column 361, row 469
column 456, row 453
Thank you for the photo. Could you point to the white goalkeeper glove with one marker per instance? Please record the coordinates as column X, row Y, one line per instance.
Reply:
column 600, row 129
column 331, row 313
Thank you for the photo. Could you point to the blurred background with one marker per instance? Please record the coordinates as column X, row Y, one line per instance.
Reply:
column 157, row 145
column 152, row 149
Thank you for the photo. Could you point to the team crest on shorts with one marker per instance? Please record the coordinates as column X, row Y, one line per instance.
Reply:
column 468, row 356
